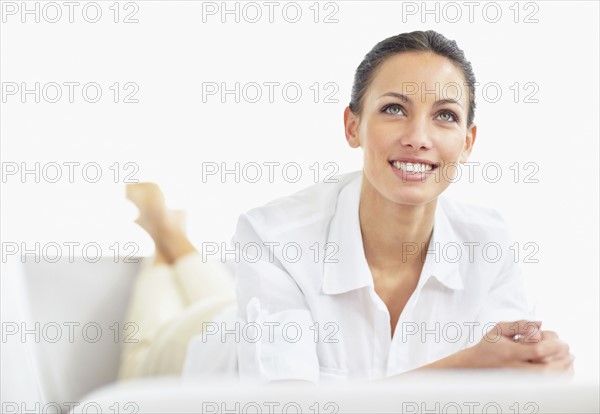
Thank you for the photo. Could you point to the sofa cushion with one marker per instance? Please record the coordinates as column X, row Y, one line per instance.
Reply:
column 74, row 326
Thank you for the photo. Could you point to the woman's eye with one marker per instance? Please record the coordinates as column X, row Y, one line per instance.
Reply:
column 392, row 109
column 448, row 117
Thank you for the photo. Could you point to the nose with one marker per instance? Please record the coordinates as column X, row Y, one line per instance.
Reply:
column 416, row 134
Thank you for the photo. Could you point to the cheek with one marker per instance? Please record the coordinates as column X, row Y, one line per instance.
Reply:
column 451, row 148
column 375, row 138
column 447, row 174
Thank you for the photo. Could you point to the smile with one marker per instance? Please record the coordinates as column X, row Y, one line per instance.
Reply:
column 412, row 167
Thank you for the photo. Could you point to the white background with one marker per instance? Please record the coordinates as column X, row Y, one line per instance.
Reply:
column 170, row 132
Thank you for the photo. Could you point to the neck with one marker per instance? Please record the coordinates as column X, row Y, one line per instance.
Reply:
column 395, row 236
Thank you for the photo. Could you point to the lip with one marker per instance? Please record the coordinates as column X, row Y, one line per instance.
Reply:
column 413, row 176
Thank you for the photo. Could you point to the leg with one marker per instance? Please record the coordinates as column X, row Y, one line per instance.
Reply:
column 155, row 301
column 174, row 296
column 197, row 279
column 168, row 352
column 164, row 226
column 200, row 279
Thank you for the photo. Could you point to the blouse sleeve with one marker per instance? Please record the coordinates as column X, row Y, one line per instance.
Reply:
column 507, row 300
column 276, row 342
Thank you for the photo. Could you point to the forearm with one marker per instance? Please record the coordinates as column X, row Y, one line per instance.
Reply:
column 459, row 359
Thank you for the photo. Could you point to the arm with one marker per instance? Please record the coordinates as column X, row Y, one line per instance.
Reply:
column 536, row 350
column 506, row 301
column 540, row 351
column 269, row 298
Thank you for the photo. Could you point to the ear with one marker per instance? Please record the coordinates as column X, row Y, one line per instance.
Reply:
column 469, row 141
column 351, row 128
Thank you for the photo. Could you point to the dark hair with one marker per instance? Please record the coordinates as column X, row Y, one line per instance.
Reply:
column 428, row 41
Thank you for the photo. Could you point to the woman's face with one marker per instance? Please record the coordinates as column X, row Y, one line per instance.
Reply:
column 412, row 127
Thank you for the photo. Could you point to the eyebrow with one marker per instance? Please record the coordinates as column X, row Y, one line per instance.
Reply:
column 405, row 98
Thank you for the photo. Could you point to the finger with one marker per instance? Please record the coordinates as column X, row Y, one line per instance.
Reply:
column 543, row 349
column 562, row 353
column 561, row 365
column 549, row 335
column 521, row 327
column 544, row 336
column 532, row 337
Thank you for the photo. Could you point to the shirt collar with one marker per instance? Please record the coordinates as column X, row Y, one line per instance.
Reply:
column 445, row 251
column 346, row 267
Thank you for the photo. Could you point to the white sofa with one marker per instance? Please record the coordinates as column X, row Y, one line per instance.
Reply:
column 49, row 373
column 69, row 314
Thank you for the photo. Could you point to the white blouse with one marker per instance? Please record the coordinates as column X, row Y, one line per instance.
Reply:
column 307, row 307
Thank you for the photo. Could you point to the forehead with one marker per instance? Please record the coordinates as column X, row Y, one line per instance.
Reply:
column 420, row 74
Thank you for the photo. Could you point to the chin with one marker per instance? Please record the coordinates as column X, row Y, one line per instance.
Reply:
column 395, row 191
column 412, row 197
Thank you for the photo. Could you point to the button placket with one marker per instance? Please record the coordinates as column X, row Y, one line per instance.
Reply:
column 382, row 340
column 395, row 359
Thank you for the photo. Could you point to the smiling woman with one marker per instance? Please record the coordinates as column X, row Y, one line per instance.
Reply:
column 364, row 286
column 392, row 303
column 405, row 142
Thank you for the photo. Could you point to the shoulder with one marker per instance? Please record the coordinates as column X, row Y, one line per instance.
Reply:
column 473, row 222
column 303, row 208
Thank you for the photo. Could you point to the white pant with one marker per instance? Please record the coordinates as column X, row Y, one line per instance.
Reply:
column 169, row 304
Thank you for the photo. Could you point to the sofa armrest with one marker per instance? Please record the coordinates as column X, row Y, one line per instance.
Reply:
column 73, row 322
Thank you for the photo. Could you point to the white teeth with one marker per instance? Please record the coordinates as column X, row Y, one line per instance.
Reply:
column 412, row 167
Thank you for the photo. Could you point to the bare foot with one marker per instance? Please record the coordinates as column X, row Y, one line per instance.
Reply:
column 150, row 202
column 166, row 227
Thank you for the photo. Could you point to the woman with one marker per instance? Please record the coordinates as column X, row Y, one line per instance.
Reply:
column 352, row 280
